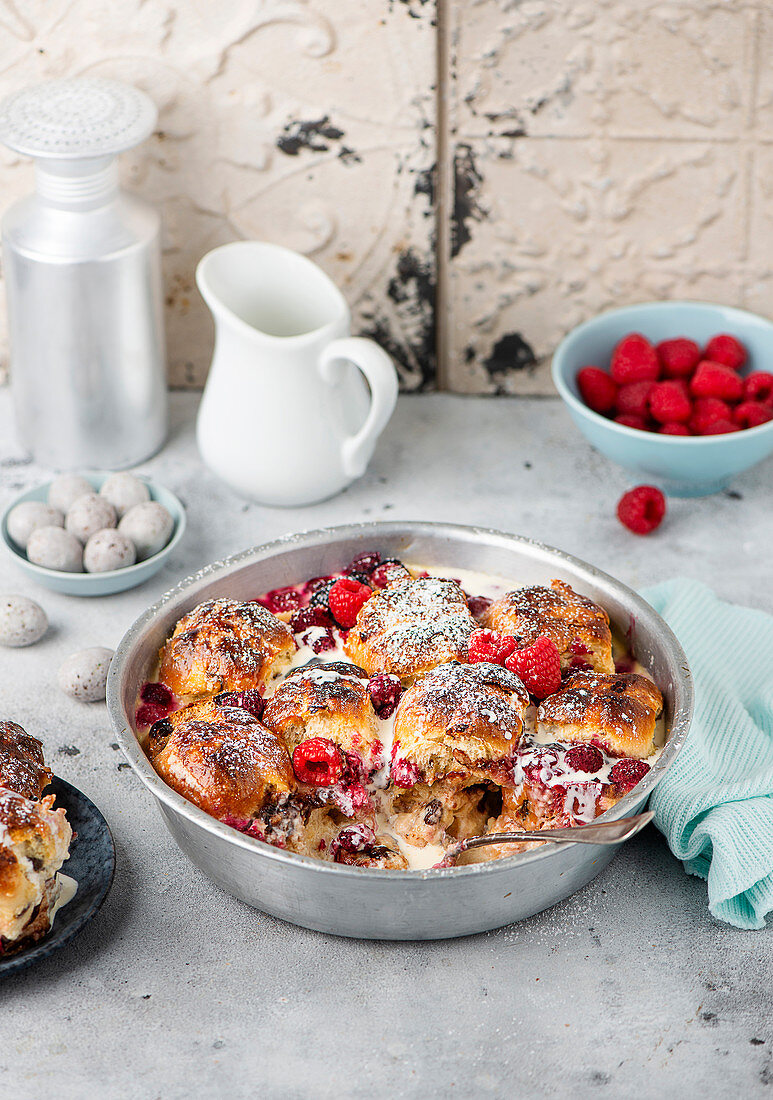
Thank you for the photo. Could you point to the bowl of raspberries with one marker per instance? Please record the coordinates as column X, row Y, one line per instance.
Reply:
column 679, row 392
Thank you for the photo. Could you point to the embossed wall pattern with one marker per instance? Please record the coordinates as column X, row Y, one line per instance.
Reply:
column 591, row 154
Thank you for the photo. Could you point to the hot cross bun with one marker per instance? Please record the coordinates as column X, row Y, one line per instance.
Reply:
column 22, row 768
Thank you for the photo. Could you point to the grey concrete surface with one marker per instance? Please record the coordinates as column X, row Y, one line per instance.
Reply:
column 628, row 988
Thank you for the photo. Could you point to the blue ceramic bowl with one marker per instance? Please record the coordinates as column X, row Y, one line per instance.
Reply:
column 681, row 465
column 97, row 584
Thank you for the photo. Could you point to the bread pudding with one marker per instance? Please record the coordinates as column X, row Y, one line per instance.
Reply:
column 376, row 716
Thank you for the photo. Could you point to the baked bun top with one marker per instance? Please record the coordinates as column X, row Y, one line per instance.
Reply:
column 221, row 758
column 22, row 768
column 412, row 627
column 618, row 711
column 460, row 718
column 225, row 645
column 330, row 700
column 578, row 626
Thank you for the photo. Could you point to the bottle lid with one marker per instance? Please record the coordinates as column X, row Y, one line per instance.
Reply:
column 76, row 119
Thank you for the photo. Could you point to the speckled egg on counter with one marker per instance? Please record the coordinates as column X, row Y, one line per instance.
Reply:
column 124, row 491
column 65, row 489
column 107, row 550
column 22, row 621
column 55, row 548
column 28, row 517
column 83, row 676
column 89, row 514
column 149, row 526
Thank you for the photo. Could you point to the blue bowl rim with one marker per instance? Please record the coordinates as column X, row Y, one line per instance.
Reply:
column 642, row 308
column 96, row 477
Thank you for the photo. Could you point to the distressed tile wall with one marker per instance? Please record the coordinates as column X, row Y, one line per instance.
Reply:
column 591, row 153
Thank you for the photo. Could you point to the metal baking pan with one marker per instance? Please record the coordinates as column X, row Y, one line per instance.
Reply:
column 392, row 905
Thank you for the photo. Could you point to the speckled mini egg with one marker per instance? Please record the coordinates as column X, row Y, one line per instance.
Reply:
column 89, row 514
column 55, row 548
column 149, row 526
column 28, row 516
column 107, row 550
column 124, row 491
column 83, row 675
column 22, row 621
column 65, row 490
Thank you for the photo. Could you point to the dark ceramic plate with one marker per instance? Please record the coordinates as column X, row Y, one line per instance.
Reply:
column 91, row 864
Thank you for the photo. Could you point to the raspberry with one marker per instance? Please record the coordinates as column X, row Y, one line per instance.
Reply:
column 318, row 761
column 597, row 389
column 716, row 380
column 584, row 758
column 750, row 414
column 319, row 640
column 487, row 645
column 539, row 667
column 389, row 572
column 159, row 694
column 283, row 599
column 309, row 616
column 630, row 420
column 364, row 563
column 727, row 350
column 670, row 401
column 149, row 713
column 627, row 773
column 352, row 839
column 705, row 411
column 633, row 400
column 385, row 691
column 634, row 360
column 478, row 604
column 758, row 387
column 641, row 510
column 346, row 597
column 721, row 427
column 404, row 773
column 678, row 357
column 250, row 700
column 672, row 428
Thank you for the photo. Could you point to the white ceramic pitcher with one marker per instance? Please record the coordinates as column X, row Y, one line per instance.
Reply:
column 287, row 417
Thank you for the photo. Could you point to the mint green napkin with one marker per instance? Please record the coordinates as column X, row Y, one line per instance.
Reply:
column 715, row 804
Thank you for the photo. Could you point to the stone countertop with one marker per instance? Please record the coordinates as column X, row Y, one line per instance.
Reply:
column 176, row 990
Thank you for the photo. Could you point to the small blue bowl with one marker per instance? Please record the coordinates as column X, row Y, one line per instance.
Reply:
column 97, row 584
column 685, row 466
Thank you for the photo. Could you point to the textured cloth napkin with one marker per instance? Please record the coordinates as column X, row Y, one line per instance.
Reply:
column 715, row 804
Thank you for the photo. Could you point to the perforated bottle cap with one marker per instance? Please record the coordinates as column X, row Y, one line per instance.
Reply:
column 76, row 119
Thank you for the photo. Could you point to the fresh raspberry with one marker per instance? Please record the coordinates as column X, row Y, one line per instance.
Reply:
column 670, row 401
column 721, row 427
column 759, row 387
column 630, row 420
column 308, row 617
column 626, row 773
column 750, row 414
column 159, row 694
column 672, row 428
column 641, row 510
column 364, row 563
column 716, row 380
column 388, row 572
column 478, row 604
column 385, row 691
column 705, row 411
column 727, row 350
column 346, row 598
column 148, row 713
column 538, row 666
column 678, row 357
column 584, row 758
column 597, row 389
column 250, row 700
column 487, row 645
column 283, row 599
column 634, row 360
column 318, row 761
column 633, row 400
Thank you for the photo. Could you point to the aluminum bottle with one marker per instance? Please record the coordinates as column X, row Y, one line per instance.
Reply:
column 81, row 262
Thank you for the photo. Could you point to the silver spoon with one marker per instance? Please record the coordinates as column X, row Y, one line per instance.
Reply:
column 603, row 832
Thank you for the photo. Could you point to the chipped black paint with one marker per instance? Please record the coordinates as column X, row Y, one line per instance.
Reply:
column 424, row 184
column 510, row 353
column 313, row 135
column 466, row 207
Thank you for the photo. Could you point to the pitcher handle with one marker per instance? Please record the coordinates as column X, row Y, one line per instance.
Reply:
column 381, row 375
